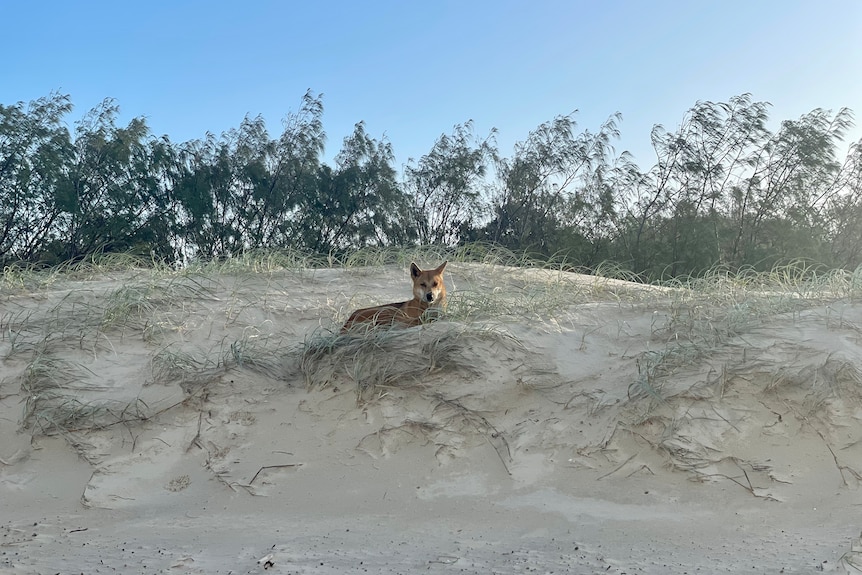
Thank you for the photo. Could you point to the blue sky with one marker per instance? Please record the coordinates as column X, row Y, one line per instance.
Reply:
column 412, row 70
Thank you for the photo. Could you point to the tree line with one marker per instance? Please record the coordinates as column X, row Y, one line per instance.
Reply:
column 723, row 190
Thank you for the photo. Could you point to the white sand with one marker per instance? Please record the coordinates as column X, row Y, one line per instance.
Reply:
column 527, row 456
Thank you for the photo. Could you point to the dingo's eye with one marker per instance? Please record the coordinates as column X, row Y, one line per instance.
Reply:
column 434, row 284
column 423, row 284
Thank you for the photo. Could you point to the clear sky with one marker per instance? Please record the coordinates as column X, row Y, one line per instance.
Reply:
column 412, row 70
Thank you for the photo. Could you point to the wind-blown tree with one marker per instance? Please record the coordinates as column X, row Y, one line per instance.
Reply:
column 778, row 207
column 243, row 191
column 447, row 184
column 206, row 225
column 843, row 213
column 114, row 194
column 34, row 147
column 292, row 176
column 554, row 190
column 726, row 190
column 356, row 204
column 591, row 215
column 677, row 215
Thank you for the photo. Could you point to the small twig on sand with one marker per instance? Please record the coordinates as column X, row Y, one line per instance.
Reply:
column 259, row 471
column 748, row 486
column 724, row 418
column 196, row 440
column 617, row 468
column 841, row 468
column 471, row 416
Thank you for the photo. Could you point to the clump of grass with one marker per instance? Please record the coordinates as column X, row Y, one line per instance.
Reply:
column 258, row 352
column 14, row 326
column 376, row 257
column 261, row 261
column 845, row 284
column 28, row 277
column 784, row 285
column 53, row 389
column 25, row 277
column 71, row 322
column 476, row 252
column 98, row 265
column 707, row 321
column 135, row 303
column 73, row 316
column 66, row 415
column 46, row 372
column 375, row 359
column 188, row 370
column 129, row 301
column 834, row 377
column 654, row 368
column 536, row 293
column 529, row 303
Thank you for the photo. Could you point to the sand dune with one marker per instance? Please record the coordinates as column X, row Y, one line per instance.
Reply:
column 216, row 422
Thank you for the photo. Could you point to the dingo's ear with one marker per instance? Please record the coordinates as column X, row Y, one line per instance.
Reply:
column 414, row 270
column 440, row 269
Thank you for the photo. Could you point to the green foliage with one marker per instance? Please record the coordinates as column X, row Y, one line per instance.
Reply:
column 555, row 191
column 34, row 147
column 447, row 183
column 725, row 190
column 359, row 203
column 243, row 190
column 842, row 216
column 115, row 195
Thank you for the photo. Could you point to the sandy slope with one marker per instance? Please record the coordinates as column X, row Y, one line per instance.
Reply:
column 597, row 427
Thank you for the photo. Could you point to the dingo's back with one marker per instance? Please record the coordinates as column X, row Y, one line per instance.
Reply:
column 429, row 291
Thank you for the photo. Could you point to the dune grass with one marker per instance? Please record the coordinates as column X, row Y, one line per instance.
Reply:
column 700, row 362
column 376, row 359
column 706, row 313
column 54, row 324
column 54, row 390
column 50, row 315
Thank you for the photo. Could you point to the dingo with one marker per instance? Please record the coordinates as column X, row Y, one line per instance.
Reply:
column 428, row 293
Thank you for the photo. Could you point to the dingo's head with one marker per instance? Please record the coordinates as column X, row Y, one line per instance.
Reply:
column 428, row 285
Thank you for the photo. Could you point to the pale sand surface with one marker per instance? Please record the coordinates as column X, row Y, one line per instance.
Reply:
column 533, row 450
